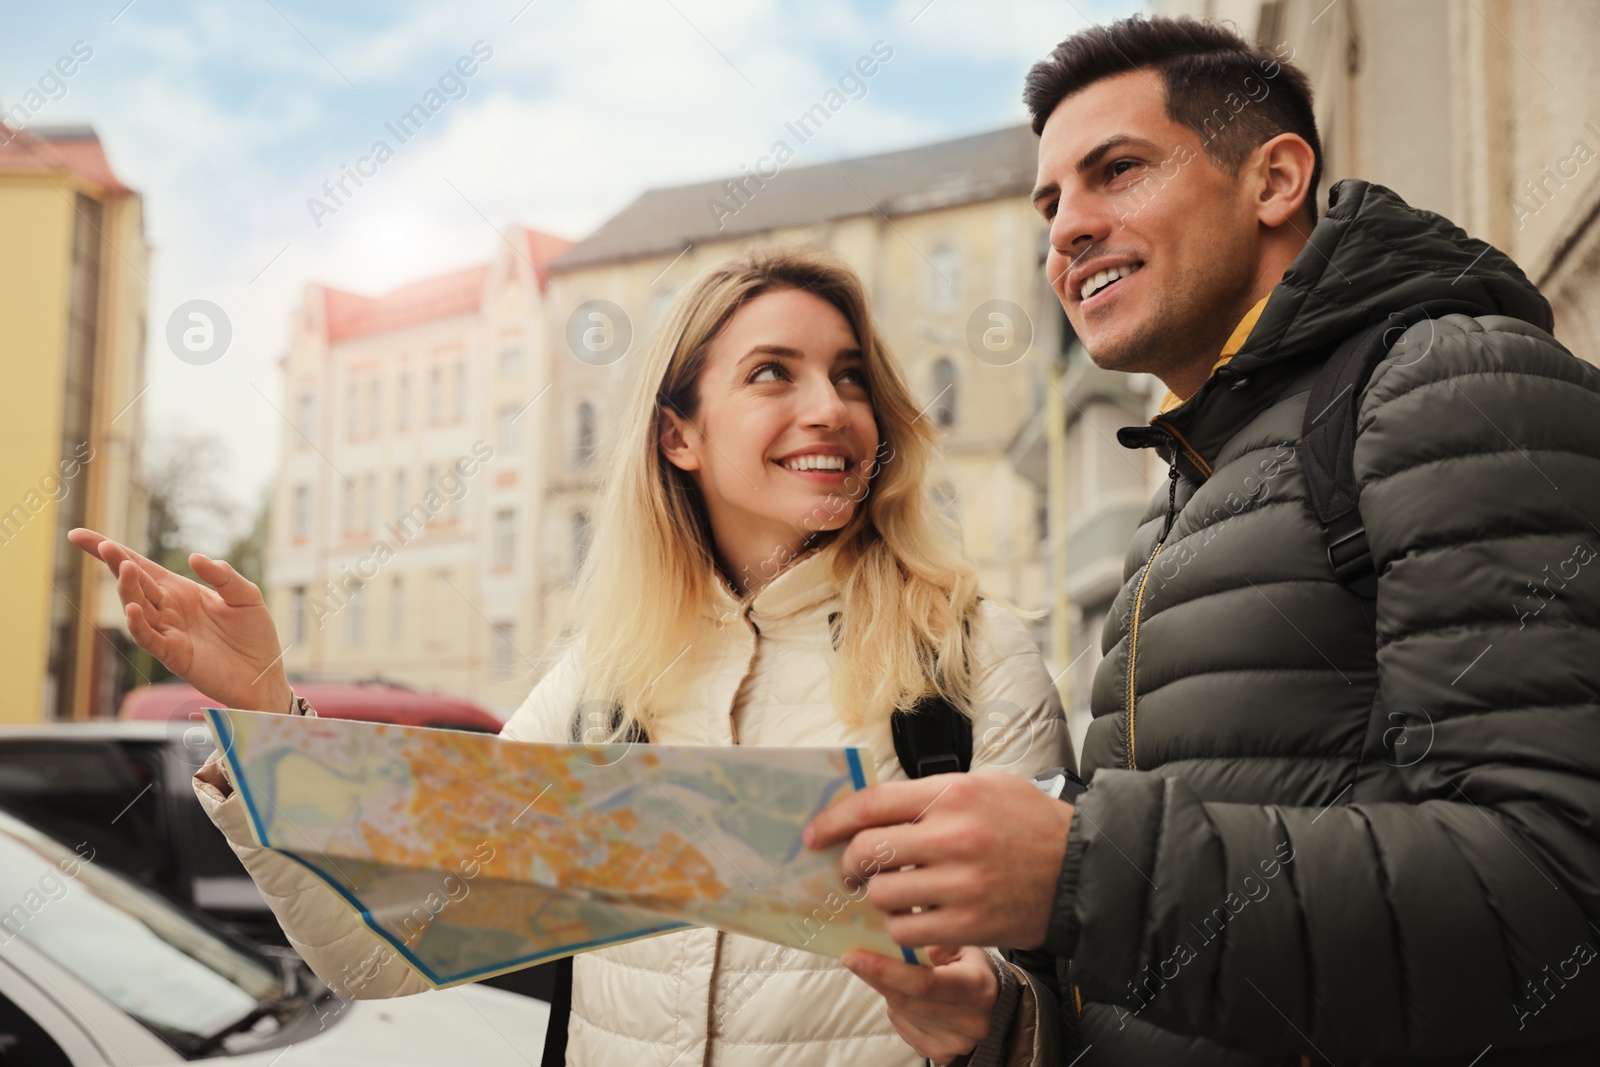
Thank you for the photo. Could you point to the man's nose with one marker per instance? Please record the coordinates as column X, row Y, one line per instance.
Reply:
column 1081, row 222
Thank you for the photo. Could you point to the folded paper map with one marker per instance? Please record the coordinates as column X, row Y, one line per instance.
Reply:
column 471, row 855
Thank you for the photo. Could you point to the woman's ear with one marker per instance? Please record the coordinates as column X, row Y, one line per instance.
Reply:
column 676, row 434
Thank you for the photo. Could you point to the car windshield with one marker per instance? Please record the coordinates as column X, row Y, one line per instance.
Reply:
column 142, row 953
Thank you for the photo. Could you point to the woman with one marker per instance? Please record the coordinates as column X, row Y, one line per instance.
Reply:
column 769, row 569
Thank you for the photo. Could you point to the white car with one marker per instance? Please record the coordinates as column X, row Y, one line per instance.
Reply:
column 95, row 969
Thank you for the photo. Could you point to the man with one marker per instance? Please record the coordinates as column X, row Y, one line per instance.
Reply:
column 1320, row 828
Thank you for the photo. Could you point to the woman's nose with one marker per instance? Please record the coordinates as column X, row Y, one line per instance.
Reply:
column 822, row 405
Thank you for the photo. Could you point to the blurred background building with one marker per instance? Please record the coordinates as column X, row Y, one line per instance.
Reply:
column 401, row 537
column 72, row 304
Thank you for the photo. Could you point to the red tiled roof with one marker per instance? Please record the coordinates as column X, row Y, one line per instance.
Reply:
column 76, row 150
column 459, row 293
column 353, row 315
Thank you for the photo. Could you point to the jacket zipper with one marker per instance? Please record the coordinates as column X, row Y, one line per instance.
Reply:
column 1138, row 600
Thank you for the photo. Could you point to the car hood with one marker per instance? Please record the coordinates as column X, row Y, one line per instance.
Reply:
column 474, row 1024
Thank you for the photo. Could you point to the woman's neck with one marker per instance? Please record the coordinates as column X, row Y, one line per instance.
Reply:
column 749, row 568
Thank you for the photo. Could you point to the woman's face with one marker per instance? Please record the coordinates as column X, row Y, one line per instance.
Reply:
column 782, row 443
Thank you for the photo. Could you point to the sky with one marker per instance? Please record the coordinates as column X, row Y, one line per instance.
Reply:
column 229, row 118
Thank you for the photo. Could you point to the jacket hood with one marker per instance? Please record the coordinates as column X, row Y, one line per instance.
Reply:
column 1371, row 254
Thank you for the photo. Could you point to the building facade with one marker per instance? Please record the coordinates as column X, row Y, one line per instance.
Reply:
column 73, row 287
column 402, row 517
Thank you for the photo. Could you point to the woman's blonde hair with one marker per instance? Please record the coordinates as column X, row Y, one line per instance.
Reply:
column 910, row 594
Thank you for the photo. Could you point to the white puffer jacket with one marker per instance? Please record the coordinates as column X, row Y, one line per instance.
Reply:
column 700, row 996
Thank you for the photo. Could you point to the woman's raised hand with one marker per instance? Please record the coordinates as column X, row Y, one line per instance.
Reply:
column 220, row 640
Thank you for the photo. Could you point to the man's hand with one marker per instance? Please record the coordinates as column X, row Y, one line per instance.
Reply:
column 987, row 849
column 942, row 1011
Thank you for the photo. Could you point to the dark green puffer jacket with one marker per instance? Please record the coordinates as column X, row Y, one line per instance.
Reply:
column 1306, row 843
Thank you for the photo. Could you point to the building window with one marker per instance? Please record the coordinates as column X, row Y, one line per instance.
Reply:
column 580, row 540
column 944, row 278
column 355, row 619
column 401, row 501
column 943, row 405
column 347, row 507
column 435, row 395
column 511, row 360
column 506, row 431
column 297, row 615
column 503, row 552
column 584, row 445
column 397, row 612
column 502, row 647
column 369, row 502
column 302, row 512
column 307, row 417
column 374, row 406
column 461, row 390
column 402, row 405
column 352, row 411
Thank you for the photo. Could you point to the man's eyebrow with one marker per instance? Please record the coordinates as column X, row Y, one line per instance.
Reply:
column 1111, row 144
column 1092, row 157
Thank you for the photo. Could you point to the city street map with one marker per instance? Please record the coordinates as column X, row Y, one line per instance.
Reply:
column 472, row 856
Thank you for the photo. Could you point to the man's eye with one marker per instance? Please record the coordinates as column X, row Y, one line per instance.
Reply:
column 1115, row 172
column 768, row 372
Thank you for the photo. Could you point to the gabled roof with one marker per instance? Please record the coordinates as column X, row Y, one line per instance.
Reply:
column 47, row 149
column 351, row 315
column 965, row 170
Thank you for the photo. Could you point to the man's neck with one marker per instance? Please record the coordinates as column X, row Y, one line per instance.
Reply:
column 1186, row 380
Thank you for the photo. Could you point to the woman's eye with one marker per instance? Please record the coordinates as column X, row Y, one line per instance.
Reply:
column 854, row 377
column 768, row 372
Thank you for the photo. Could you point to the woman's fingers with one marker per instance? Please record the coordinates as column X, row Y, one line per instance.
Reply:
column 135, row 587
column 146, row 636
column 236, row 590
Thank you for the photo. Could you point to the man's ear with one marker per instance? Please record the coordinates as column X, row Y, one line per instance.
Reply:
column 1281, row 175
column 676, row 434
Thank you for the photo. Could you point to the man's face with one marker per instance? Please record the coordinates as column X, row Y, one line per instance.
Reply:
column 1129, row 190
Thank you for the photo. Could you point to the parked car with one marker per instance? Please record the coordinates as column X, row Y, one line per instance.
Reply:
column 124, row 789
column 97, row 970
column 369, row 700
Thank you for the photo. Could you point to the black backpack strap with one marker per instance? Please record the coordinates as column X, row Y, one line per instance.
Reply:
column 1328, row 438
column 555, row 1035
column 932, row 738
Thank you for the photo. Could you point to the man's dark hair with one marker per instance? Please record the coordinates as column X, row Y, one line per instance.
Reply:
column 1202, row 64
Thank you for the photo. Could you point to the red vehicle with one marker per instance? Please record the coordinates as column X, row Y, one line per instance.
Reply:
column 368, row 700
